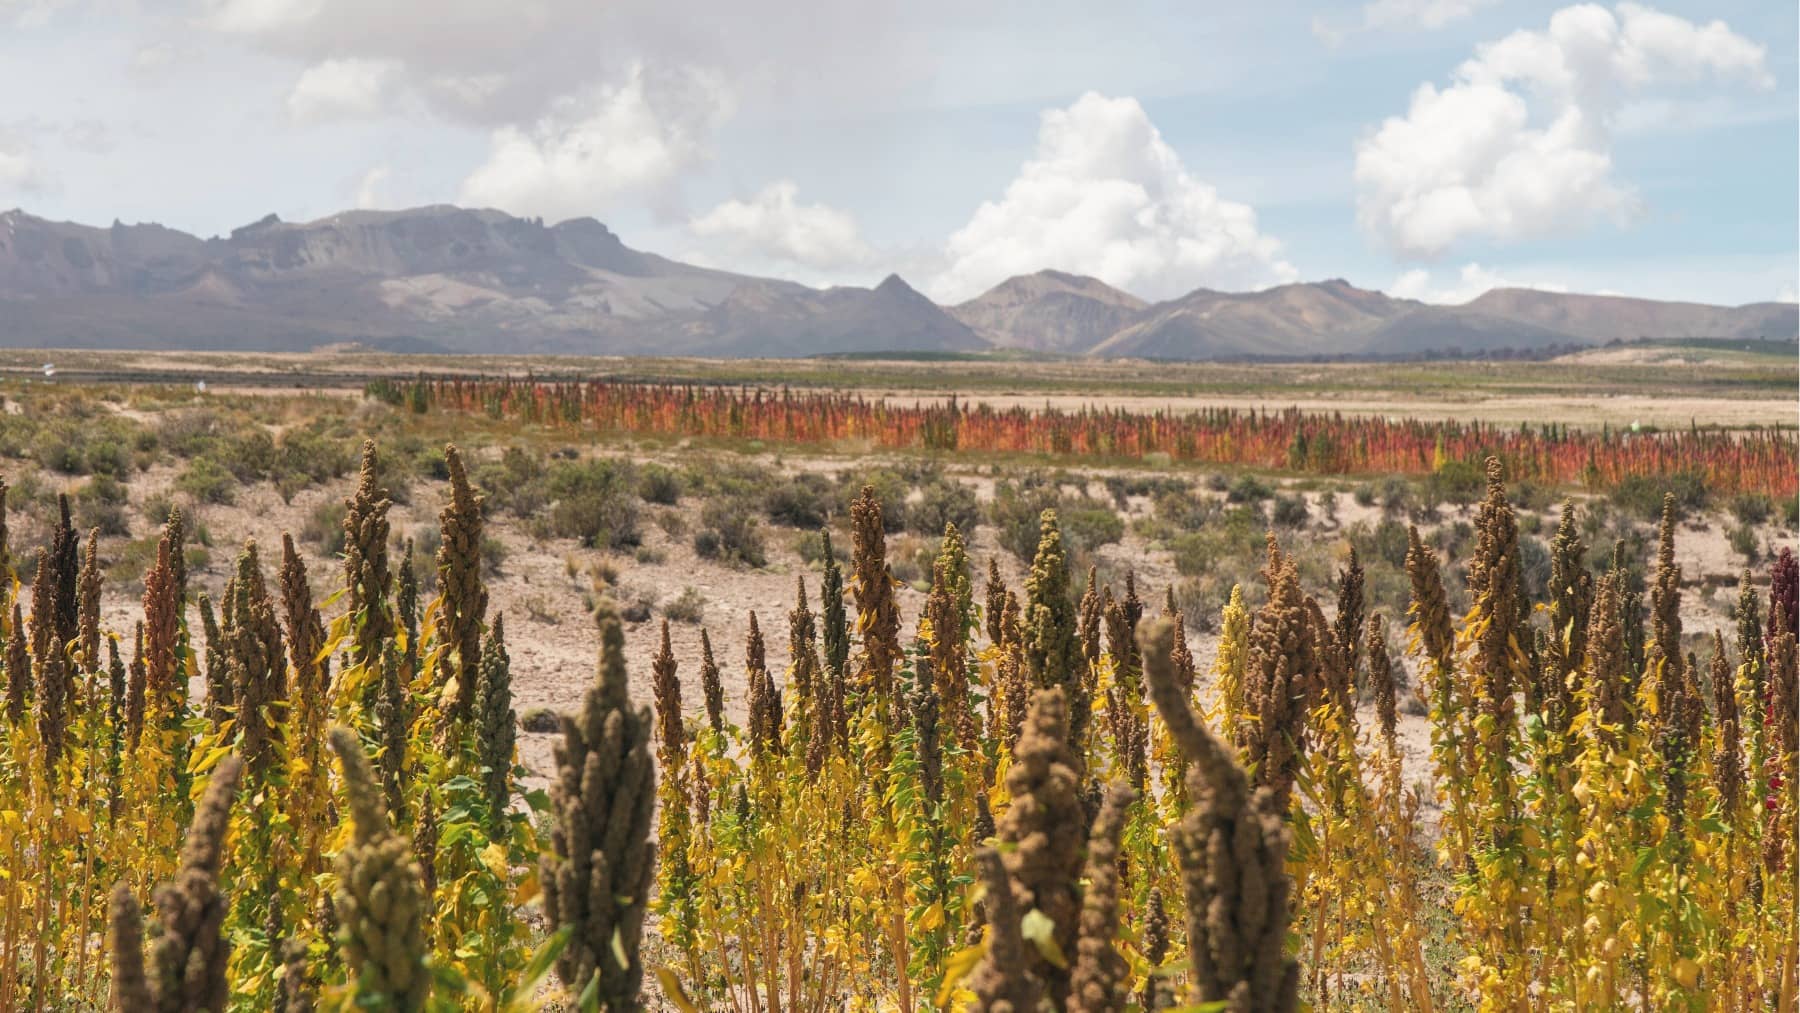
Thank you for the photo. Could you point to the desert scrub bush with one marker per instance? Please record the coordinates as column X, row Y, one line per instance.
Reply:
column 324, row 527
column 941, row 502
column 190, row 432
column 1752, row 508
column 1237, row 535
column 517, row 483
column 1122, row 488
column 208, row 481
column 1641, row 496
column 1176, row 512
column 1743, row 542
column 1087, row 523
column 249, row 456
column 1455, row 482
column 594, row 502
column 812, row 547
column 306, row 457
column 1248, row 489
column 100, row 503
column 729, row 535
column 891, row 487
column 800, row 501
column 687, row 607
column 660, row 485
column 1290, row 511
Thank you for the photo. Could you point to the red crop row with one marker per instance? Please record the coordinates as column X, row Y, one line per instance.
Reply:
column 1753, row 461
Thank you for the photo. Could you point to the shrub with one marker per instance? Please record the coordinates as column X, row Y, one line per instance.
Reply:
column 688, row 607
column 251, row 456
column 58, row 448
column 660, row 485
column 515, row 483
column 1290, row 511
column 1248, row 489
column 541, row 720
column 108, row 517
column 1386, row 542
column 1364, row 495
column 672, row 523
column 945, row 501
column 595, row 502
column 1396, row 494
column 1238, row 536
column 1751, row 508
column 810, row 547
column 1087, row 527
column 802, row 501
column 324, row 527
column 891, row 488
column 1015, row 510
column 729, row 535
column 207, row 481
column 493, row 554
column 1184, row 511
column 1641, row 496
column 190, row 433
column 1458, row 482
column 107, row 454
column 305, row 458
column 1743, row 542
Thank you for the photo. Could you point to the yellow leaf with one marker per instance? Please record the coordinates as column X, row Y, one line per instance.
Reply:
column 957, row 967
column 932, row 918
column 528, row 888
column 206, row 761
column 672, row 991
column 494, row 857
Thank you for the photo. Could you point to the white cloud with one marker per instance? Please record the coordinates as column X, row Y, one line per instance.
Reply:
column 1787, row 293
column 19, row 169
column 775, row 225
column 153, row 60
column 29, row 13
column 1471, row 282
column 1399, row 15
column 1519, row 144
column 637, row 137
column 341, row 89
column 257, row 17
column 1105, row 195
column 371, row 191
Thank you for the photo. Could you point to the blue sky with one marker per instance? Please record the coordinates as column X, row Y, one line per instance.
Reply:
column 1431, row 148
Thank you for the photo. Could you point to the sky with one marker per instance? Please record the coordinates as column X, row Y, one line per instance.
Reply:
column 1429, row 148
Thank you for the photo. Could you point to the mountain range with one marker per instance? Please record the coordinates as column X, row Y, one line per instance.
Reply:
column 449, row 279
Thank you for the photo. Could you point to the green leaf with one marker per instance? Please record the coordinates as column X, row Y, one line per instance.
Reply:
column 618, row 950
column 542, row 960
column 589, row 1001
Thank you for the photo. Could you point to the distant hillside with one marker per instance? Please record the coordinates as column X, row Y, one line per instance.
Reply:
column 1049, row 312
column 450, row 279
column 440, row 278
